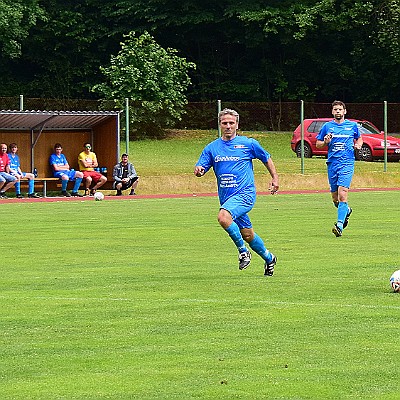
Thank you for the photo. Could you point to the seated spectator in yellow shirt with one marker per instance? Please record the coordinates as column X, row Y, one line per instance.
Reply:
column 87, row 161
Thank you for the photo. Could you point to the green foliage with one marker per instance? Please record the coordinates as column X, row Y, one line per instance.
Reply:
column 152, row 78
column 16, row 18
column 152, row 305
column 252, row 50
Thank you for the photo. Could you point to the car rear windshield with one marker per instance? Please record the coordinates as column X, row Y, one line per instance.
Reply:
column 365, row 128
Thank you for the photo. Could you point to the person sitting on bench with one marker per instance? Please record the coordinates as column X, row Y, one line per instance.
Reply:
column 62, row 171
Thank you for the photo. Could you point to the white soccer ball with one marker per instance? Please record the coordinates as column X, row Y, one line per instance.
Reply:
column 395, row 281
column 98, row 196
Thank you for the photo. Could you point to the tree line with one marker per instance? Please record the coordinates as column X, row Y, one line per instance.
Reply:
column 252, row 50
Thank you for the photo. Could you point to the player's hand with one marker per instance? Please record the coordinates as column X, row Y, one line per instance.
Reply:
column 357, row 146
column 328, row 138
column 199, row 170
column 273, row 187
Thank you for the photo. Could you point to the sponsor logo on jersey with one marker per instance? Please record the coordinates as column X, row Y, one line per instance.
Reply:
column 225, row 158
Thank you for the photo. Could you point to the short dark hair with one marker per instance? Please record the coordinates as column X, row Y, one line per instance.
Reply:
column 57, row 145
column 338, row 103
column 11, row 145
column 124, row 155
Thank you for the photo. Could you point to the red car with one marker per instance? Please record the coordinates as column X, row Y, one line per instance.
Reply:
column 372, row 149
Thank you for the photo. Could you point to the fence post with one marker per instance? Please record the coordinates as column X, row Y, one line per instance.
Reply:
column 21, row 102
column 218, row 110
column 127, row 126
column 302, row 134
column 385, row 135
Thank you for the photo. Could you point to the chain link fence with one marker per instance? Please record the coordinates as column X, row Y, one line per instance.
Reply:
column 258, row 116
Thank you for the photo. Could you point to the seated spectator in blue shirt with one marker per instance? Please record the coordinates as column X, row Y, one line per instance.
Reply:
column 15, row 169
column 61, row 170
column 6, row 179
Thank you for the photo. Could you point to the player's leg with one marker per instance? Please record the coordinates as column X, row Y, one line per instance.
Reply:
column 99, row 182
column 118, row 188
column 257, row 244
column 88, row 182
column 64, row 184
column 226, row 221
column 17, row 186
column 78, row 180
column 333, row 176
column 135, row 182
column 344, row 180
column 11, row 181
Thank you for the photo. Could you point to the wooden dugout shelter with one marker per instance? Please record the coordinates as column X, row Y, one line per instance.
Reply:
column 36, row 132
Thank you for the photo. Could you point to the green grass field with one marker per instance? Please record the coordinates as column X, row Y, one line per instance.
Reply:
column 142, row 299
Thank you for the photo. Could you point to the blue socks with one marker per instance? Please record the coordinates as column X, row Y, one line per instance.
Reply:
column 343, row 209
column 64, row 184
column 77, row 184
column 31, row 186
column 258, row 246
column 234, row 233
column 18, row 187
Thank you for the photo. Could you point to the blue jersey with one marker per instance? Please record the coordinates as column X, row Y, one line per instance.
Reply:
column 341, row 147
column 14, row 162
column 58, row 160
column 232, row 164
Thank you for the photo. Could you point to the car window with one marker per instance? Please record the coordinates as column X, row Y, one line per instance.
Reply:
column 316, row 126
column 366, row 128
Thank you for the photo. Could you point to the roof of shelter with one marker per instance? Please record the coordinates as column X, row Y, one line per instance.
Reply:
column 46, row 120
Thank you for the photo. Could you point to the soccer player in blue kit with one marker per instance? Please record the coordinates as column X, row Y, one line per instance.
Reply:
column 231, row 159
column 342, row 137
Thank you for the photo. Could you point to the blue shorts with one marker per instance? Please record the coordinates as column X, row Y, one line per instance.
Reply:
column 340, row 175
column 5, row 177
column 238, row 206
column 70, row 173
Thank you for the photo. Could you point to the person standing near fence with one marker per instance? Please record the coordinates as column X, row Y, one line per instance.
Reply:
column 15, row 169
column 231, row 158
column 342, row 137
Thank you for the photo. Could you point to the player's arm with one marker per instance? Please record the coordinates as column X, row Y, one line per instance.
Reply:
column 358, row 144
column 57, row 167
column 322, row 143
column 274, row 184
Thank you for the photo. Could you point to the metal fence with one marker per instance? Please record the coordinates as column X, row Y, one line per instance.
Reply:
column 267, row 116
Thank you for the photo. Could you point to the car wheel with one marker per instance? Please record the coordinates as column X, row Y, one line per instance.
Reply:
column 364, row 154
column 307, row 150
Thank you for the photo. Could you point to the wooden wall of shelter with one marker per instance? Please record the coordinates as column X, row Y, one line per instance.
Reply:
column 35, row 146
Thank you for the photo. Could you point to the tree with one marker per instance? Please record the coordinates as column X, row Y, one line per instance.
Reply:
column 154, row 79
column 16, row 18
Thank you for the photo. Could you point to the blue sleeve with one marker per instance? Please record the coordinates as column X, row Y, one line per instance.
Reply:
column 357, row 133
column 259, row 152
column 205, row 159
column 322, row 132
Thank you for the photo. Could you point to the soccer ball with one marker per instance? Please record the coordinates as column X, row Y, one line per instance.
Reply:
column 395, row 281
column 98, row 196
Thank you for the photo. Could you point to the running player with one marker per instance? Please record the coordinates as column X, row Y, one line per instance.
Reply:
column 342, row 137
column 231, row 159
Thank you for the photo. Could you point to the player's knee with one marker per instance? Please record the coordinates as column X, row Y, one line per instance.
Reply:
column 224, row 218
